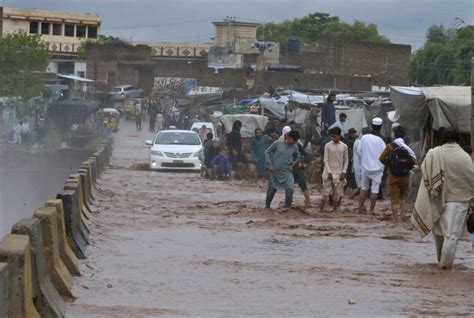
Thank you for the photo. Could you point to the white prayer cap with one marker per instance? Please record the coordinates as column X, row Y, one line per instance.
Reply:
column 395, row 125
column 377, row 121
column 286, row 130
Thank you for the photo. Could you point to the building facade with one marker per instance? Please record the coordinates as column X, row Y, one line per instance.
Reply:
column 62, row 31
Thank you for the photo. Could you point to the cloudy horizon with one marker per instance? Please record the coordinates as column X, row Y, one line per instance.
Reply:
column 403, row 22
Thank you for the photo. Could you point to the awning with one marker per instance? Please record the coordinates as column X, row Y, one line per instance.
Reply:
column 76, row 78
column 450, row 106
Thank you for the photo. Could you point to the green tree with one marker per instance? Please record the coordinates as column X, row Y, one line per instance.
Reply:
column 22, row 56
column 445, row 59
column 310, row 28
column 359, row 31
column 102, row 39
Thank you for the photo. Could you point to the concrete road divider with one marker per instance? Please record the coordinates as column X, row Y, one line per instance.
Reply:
column 93, row 162
column 60, row 276
column 15, row 250
column 77, row 208
column 88, row 167
column 46, row 298
column 74, row 183
column 67, row 255
column 72, row 220
column 4, row 290
column 86, row 184
column 100, row 161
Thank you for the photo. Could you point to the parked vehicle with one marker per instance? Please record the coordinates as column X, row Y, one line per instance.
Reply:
column 123, row 92
column 175, row 150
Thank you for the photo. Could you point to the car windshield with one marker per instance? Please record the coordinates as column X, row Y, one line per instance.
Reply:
column 117, row 89
column 177, row 138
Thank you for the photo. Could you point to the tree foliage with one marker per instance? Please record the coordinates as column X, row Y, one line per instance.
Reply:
column 21, row 57
column 445, row 58
column 102, row 40
column 310, row 28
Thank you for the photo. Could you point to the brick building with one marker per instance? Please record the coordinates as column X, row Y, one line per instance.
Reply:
column 386, row 64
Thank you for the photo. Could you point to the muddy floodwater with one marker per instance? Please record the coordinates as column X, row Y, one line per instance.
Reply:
column 28, row 179
column 174, row 245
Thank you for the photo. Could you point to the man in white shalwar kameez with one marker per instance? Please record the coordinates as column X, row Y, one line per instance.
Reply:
column 443, row 197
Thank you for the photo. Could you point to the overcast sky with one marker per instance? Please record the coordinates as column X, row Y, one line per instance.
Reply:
column 403, row 21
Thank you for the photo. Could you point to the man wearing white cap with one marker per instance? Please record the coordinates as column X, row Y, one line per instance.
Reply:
column 371, row 147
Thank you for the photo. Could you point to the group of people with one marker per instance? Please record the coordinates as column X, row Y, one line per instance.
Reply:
column 361, row 163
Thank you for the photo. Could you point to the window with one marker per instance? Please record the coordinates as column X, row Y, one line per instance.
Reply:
column 92, row 32
column 81, row 31
column 34, row 26
column 69, row 29
column 177, row 138
column 44, row 28
column 57, row 29
column 81, row 74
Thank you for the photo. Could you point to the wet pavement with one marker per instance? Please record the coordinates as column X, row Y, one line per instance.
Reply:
column 169, row 244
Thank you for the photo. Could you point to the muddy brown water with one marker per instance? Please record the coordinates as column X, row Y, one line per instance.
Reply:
column 174, row 245
column 28, row 179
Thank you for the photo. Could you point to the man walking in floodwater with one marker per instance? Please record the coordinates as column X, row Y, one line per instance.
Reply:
column 258, row 145
column 371, row 147
column 281, row 157
column 336, row 160
column 443, row 197
column 138, row 116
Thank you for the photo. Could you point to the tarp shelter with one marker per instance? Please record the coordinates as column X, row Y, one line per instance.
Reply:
column 450, row 106
column 276, row 105
column 355, row 118
column 75, row 78
column 249, row 123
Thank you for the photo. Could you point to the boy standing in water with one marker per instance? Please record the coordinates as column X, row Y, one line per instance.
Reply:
column 336, row 160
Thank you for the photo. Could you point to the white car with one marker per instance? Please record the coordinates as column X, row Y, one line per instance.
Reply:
column 175, row 150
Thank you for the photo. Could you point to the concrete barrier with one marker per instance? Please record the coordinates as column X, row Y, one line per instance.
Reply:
column 77, row 208
column 88, row 168
column 60, row 276
column 72, row 220
column 87, row 184
column 93, row 162
column 65, row 251
column 74, row 183
column 15, row 250
column 46, row 298
column 100, row 161
column 4, row 290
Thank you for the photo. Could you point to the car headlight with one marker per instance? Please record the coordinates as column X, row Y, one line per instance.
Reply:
column 157, row 153
column 197, row 154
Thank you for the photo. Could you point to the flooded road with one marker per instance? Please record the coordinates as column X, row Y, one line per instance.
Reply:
column 28, row 179
column 172, row 245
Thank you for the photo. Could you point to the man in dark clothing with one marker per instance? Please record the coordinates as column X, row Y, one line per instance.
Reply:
column 271, row 127
column 209, row 153
column 234, row 144
column 350, row 175
column 328, row 112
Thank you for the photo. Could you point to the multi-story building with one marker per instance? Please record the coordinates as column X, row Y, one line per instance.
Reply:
column 62, row 31
column 242, row 47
